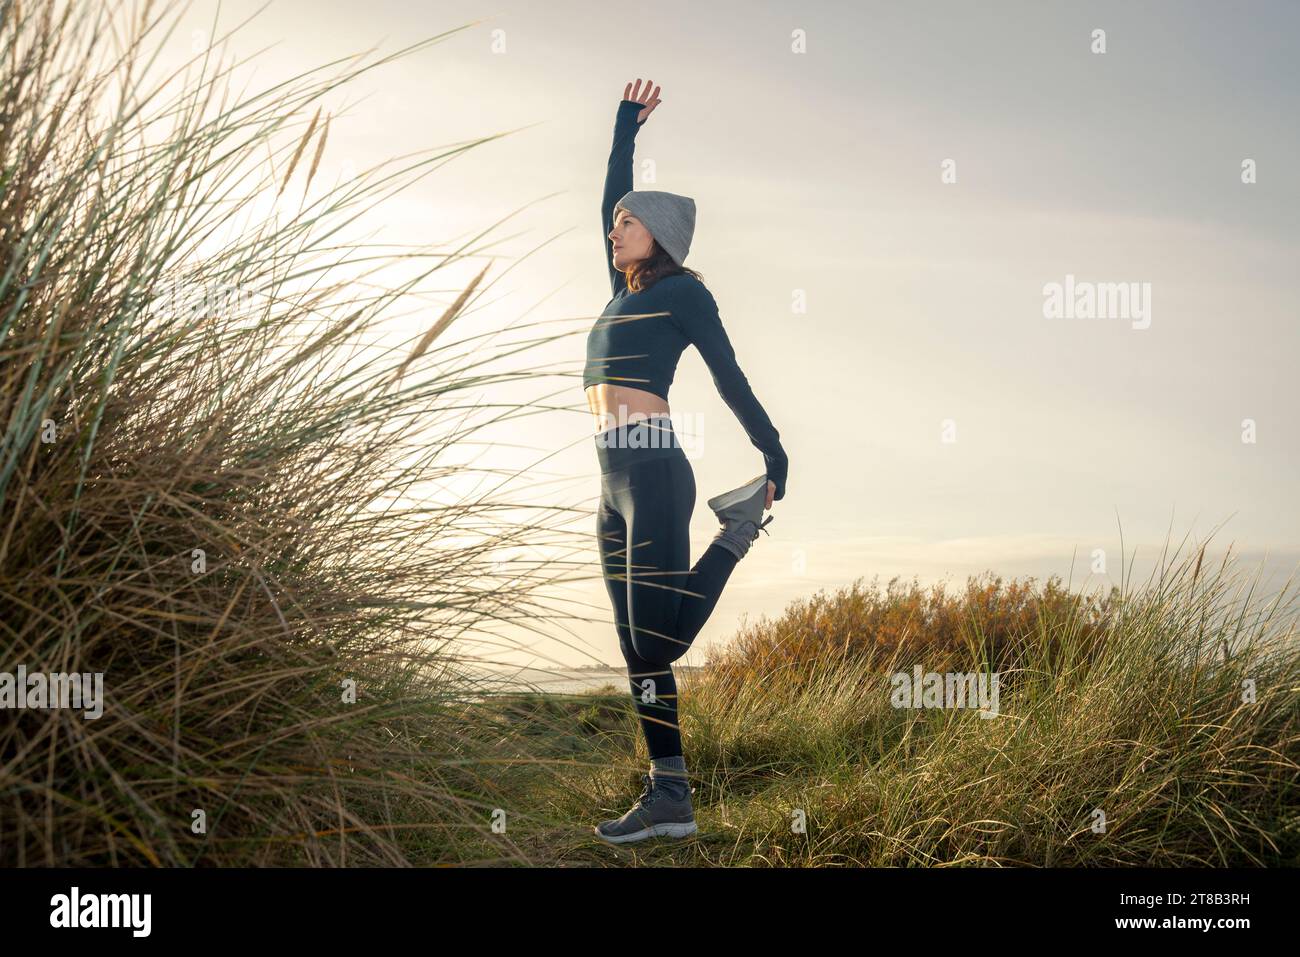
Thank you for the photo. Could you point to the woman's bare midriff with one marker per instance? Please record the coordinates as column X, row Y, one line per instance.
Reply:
column 614, row 405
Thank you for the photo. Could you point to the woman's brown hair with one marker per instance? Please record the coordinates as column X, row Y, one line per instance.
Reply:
column 644, row 273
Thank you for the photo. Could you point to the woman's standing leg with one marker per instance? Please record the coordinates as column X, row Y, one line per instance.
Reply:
column 657, row 502
column 659, row 604
column 644, row 527
column 653, row 686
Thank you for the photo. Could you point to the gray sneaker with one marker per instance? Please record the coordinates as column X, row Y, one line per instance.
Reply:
column 658, row 812
column 740, row 511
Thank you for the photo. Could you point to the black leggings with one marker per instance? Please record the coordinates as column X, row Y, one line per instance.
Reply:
column 647, row 496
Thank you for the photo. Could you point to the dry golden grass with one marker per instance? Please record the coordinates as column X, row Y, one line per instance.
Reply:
column 1132, row 706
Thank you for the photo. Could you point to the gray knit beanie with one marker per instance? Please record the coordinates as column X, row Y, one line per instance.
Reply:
column 669, row 217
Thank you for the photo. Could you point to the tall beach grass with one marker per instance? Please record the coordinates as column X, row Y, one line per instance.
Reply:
column 204, row 481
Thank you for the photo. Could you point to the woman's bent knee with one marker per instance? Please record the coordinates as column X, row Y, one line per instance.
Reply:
column 657, row 651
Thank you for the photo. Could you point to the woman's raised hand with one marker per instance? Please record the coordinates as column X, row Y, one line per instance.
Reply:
column 638, row 95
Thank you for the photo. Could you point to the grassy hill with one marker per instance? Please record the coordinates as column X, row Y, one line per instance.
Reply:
column 1128, row 706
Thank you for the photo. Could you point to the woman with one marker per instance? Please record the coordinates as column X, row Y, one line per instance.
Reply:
column 648, row 488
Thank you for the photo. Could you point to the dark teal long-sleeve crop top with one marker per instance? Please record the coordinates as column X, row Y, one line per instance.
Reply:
column 639, row 337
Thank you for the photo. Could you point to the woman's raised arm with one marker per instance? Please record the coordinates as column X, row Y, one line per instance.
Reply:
column 637, row 104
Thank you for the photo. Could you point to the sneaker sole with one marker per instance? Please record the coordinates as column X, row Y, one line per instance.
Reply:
column 736, row 496
column 655, row 830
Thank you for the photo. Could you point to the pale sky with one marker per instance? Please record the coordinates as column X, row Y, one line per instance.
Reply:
column 819, row 176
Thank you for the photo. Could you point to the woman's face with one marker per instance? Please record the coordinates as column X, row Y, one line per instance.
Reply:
column 630, row 239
